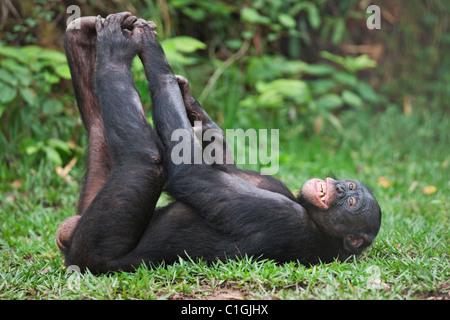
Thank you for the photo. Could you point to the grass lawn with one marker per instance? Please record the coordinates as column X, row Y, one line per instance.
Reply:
column 404, row 159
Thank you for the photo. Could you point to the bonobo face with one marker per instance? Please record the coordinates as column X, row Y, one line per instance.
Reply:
column 344, row 209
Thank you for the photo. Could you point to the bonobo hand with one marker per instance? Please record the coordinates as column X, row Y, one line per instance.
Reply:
column 119, row 39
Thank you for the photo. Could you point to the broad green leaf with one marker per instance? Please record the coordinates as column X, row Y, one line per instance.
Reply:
column 366, row 92
column 183, row 44
column 286, row 20
column 29, row 96
column 14, row 53
column 7, row 93
column 329, row 101
column 313, row 16
column 30, row 145
column 59, row 144
column 8, row 77
column 52, row 55
column 52, row 106
column 251, row 15
column 63, row 71
column 352, row 99
column 53, row 155
column 338, row 31
column 345, row 78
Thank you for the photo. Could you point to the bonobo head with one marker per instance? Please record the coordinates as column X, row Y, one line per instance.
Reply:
column 344, row 209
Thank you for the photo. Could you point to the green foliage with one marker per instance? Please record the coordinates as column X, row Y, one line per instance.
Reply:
column 325, row 89
column 29, row 108
column 175, row 47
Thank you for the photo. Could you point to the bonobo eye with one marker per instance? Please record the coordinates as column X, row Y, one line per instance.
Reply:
column 351, row 201
column 351, row 186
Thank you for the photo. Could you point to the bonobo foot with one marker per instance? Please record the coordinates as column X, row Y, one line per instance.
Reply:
column 65, row 231
column 119, row 39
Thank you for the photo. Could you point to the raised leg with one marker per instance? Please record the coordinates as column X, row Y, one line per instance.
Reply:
column 113, row 223
column 169, row 112
column 80, row 47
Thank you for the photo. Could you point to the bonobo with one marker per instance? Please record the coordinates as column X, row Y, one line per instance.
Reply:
column 219, row 211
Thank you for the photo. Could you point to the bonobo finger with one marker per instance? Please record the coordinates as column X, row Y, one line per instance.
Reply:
column 121, row 17
column 99, row 24
column 127, row 33
column 129, row 22
column 140, row 23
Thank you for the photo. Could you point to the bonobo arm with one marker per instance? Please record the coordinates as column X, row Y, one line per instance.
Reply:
column 195, row 112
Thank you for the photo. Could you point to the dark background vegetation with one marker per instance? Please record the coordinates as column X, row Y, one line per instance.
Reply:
column 359, row 103
column 294, row 62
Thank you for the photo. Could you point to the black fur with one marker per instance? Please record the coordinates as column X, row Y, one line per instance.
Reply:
column 219, row 212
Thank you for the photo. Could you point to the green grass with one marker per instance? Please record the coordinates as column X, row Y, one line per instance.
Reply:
column 396, row 155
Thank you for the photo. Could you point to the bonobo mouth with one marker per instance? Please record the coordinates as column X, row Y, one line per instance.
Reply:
column 321, row 192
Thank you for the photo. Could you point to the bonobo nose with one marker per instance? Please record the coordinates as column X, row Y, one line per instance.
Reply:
column 339, row 190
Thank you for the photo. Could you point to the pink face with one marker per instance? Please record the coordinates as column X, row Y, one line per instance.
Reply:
column 319, row 192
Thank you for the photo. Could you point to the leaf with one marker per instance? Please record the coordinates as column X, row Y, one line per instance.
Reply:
column 64, row 172
column 384, row 182
column 313, row 16
column 14, row 53
column 30, row 146
column 52, row 107
column 352, row 99
column 352, row 64
column 286, row 20
column 29, row 96
column 7, row 93
column 366, row 92
column 184, row 44
column 8, row 77
column 59, row 144
column 51, row 55
column 53, row 155
column 296, row 90
column 338, row 33
column 252, row 15
column 63, row 71
column 331, row 118
column 429, row 190
column 363, row 62
column 173, row 48
column 329, row 101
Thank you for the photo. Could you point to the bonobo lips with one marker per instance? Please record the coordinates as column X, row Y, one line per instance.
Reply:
column 321, row 192
column 318, row 192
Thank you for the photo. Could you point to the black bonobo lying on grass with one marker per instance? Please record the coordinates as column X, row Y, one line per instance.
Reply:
column 219, row 211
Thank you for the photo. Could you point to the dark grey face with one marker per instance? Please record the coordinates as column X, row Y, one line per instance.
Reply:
column 342, row 208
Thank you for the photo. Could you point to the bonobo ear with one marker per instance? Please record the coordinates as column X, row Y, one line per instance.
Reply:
column 353, row 242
